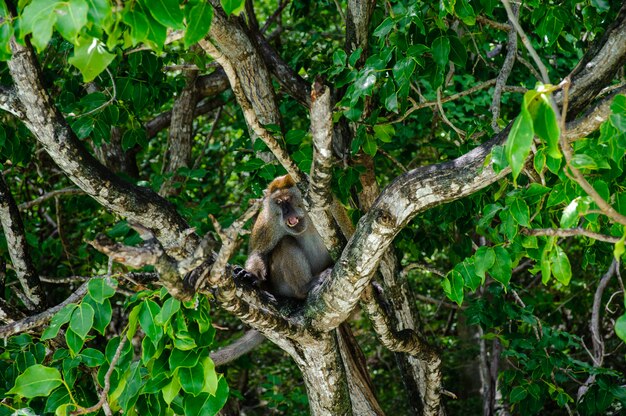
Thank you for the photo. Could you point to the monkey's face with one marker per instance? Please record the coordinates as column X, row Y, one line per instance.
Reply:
column 287, row 204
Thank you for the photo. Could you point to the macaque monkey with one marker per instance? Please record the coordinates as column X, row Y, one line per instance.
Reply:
column 287, row 254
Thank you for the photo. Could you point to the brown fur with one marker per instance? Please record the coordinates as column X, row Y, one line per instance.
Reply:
column 286, row 253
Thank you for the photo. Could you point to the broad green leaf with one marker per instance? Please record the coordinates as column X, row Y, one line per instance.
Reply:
column 441, row 50
column 74, row 341
column 139, row 24
column 520, row 212
column 55, row 400
column 518, row 394
column 233, row 6
column 207, row 404
column 61, row 317
column 37, row 380
column 149, row 311
column 466, row 12
column 484, row 258
column 170, row 307
column 620, row 327
column 618, row 106
column 102, row 288
column 171, row 390
column 134, row 383
column 102, row 313
column 453, row 286
column 210, row 376
column 601, row 5
column 339, row 58
column 82, row 320
column 369, row 146
column 92, row 357
column 39, row 18
column 191, row 379
column 619, row 248
column 468, row 271
column 458, row 52
column 546, row 267
column 90, row 57
column 561, row 269
column 384, row 132
column 184, row 359
column 546, row 126
column 166, row 12
column 71, row 18
column 384, row 28
column 99, row 11
column 583, row 161
column 518, row 144
column 198, row 23
column 502, row 266
column 569, row 218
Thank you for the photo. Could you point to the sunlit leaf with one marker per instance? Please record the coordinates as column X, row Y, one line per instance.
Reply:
column 37, row 380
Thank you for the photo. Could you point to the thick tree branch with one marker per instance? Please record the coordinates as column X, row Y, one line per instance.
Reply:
column 250, row 114
column 180, row 139
column 138, row 204
column 10, row 102
column 415, row 192
column 18, row 248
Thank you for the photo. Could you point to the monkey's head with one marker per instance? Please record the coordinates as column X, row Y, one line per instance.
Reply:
column 285, row 202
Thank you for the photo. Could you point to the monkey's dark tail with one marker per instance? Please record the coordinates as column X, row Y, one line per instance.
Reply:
column 249, row 341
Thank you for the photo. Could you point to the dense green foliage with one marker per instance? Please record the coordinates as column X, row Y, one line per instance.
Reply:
column 528, row 296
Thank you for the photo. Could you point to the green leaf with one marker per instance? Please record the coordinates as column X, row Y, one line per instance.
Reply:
column 484, row 258
column 138, row 22
column 37, row 380
column 171, row 390
column 39, row 18
column 369, row 146
column 184, row 359
column 210, row 376
column 90, row 57
column 502, row 266
column 384, row 132
column 55, row 400
column 518, row 144
column 620, row 327
column 466, row 12
column 102, row 288
column 71, row 18
column 147, row 319
column 99, row 11
column 468, row 271
column 518, row 394
column 207, row 404
column 520, row 212
column 61, row 317
column 191, row 379
column 561, row 269
column 453, row 286
column 583, row 161
column 441, row 50
column 198, row 23
column 569, row 218
column 92, row 357
column 166, row 12
column 546, row 267
column 384, row 28
column 233, row 6
column 74, row 342
column 170, row 307
column 546, row 126
column 458, row 52
column 82, row 320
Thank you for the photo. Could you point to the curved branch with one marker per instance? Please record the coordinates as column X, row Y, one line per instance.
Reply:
column 138, row 204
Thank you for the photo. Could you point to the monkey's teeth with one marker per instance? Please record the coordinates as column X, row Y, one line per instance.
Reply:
column 292, row 222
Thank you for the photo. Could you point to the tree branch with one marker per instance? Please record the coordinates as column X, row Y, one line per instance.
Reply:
column 52, row 194
column 10, row 102
column 571, row 232
column 138, row 204
column 42, row 318
column 18, row 248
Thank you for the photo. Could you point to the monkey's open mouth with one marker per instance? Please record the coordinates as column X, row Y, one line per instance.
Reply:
column 292, row 221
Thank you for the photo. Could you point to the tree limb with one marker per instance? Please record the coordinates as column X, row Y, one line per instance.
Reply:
column 18, row 249
column 571, row 232
column 138, row 204
column 10, row 102
column 52, row 194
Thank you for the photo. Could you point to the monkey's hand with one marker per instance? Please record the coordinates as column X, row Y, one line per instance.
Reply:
column 243, row 277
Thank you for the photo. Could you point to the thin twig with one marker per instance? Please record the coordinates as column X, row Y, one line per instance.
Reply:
column 107, row 379
column 503, row 75
column 458, row 131
column 52, row 194
column 571, row 232
column 110, row 101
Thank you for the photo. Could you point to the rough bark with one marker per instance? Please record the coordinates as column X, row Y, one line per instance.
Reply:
column 137, row 204
column 18, row 249
column 114, row 157
column 180, row 140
